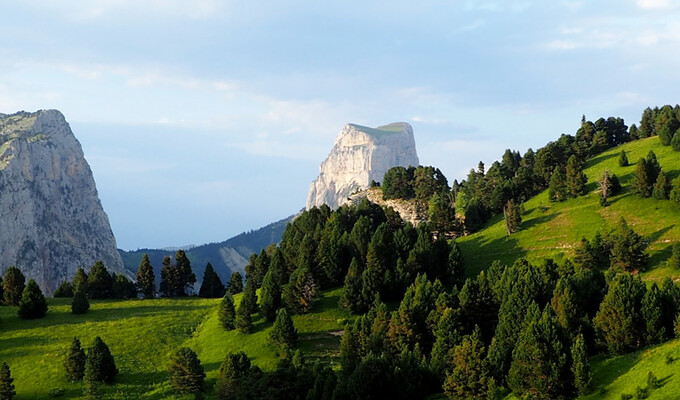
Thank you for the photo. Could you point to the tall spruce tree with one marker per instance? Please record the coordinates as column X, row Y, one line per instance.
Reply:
column 652, row 309
column 623, row 158
column 352, row 293
column 575, row 177
column 227, row 313
column 187, row 276
column 80, row 304
column 628, row 249
column 641, row 184
column 64, row 290
column 580, row 367
column 270, row 296
column 513, row 216
column 13, row 285
column 249, row 298
column 470, row 378
column 7, row 391
column 244, row 320
column 233, row 374
column 557, row 189
column 99, row 282
column 123, row 288
column 283, row 333
column 675, row 142
column 662, row 187
column 675, row 191
column 235, row 285
column 653, row 167
column 74, row 363
column 186, row 372
column 212, row 286
column 300, row 292
column 146, row 280
column 32, row 304
column 100, row 365
column 80, row 279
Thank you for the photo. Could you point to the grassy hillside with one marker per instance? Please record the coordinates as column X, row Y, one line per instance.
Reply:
column 554, row 229
column 141, row 335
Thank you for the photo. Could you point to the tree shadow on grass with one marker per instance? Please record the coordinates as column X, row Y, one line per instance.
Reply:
column 599, row 159
column 658, row 258
column 478, row 253
column 614, row 367
column 538, row 220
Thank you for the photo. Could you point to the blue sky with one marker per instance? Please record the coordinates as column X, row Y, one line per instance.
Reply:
column 204, row 118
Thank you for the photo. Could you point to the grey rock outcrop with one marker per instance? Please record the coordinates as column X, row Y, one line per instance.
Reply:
column 51, row 219
column 361, row 155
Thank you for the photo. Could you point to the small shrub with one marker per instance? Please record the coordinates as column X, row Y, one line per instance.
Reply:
column 641, row 393
column 56, row 392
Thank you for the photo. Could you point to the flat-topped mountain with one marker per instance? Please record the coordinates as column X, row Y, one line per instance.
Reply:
column 361, row 155
column 51, row 219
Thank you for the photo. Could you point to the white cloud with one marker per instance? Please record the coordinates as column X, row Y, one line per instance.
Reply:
column 655, row 4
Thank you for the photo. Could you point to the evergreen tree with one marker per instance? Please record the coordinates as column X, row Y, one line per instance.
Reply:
column 557, row 189
column 249, row 298
column 270, row 296
column 662, row 187
column 299, row 294
column 397, row 184
column 187, row 276
column 100, row 365
column 580, row 367
column 575, row 179
column 653, row 168
column 565, row 304
column 235, row 285
column 186, row 372
column 80, row 279
column 641, row 184
column 13, row 285
column 80, row 304
column 233, row 373
column 674, row 260
column 349, row 351
column 372, row 379
column 455, row 274
column 361, row 237
column 513, row 216
column 32, row 304
column 74, row 363
column 7, row 391
column 448, row 336
column 675, row 142
column 244, row 320
column 64, row 290
column 123, row 288
column 212, row 286
column 99, row 282
column 146, row 280
column 623, row 158
column 675, row 191
column 352, row 293
column 227, row 313
column 652, row 310
column 283, row 333
column 628, row 249
column 470, row 378
column 441, row 213
column 665, row 135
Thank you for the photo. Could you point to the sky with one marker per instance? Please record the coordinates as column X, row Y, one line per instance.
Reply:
column 202, row 119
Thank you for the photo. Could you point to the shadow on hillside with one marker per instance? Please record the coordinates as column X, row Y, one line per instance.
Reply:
column 615, row 367
column 656, row 235
column 659, row 258
column 599, row 159
column 478, row 254
column 538, row 220
column 22, row 346
column 624, row 193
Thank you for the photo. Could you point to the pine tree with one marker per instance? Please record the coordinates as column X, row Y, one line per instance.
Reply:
column 628, row 249
column 249, row 298
column 299, row 294
column 227, row 313
column 80, row 304
column 235, row 285
column 575, row 179
column 7, row 391
column 513, row 216
column 455, row 273
column 448, row 336
column 186, row 372
column 674, row 260
column 283, row 333
column 212, row 286
column 146, row 280
column 349, row 351
column 623, row 159
column 652, row 310
column 580, row 366
column 665, row 135
column 675, row 142
column 80, row 279
column 557, row 189
column 74, row 363
column 32, row 304
column 187, row 276
column 470, row 377
column 64, row 290
column 352, row 298
column 13, row 286
column 653, row 168
column 641, row 184
column 100, row 365
column 662, row 187
column 243, row 321
column 233, row 373
column 675, row 191
column 123, row 288
column 99, row 282
column 270, row 296
column 170, row 279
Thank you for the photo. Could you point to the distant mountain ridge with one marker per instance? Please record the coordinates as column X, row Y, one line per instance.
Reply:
column 226, row 257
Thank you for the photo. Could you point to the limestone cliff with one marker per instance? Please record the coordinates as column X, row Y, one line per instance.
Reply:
column 361, row 155
column 51, row 219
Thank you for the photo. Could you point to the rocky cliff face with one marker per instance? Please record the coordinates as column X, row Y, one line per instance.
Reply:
column 51, row 219
column 361, row 155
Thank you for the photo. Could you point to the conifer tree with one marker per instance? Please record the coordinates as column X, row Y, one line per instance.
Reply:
column 283, row 333
column 662, row 187
column 212, row 286
column 448, row 335
column 513, row 216
column 32, row 304
column 7, row 391
column 665, row 135
column 299, row 294
column 352, row 297
column 557, row 189
column 441, row 213
column 580, row 366
column 64, row 290
column 235, row 285
column 270, row 296
column 99, row 282
column 623, row 159
column 186, row 372
column 146, row 280
column 74, row 363
column 123, row 288
column 80, row 304
column 675, row 142
column 249, row 298
column 619, row 321
column 675, row 191
column 628, row 249
column 244, row 320
column 674, row 260
column 13, row 285
column 575, row 178
column 233, row 373
column 455, row 274
column 187, row 278
column 361, row 237
column 641, row 184
column 227, row 313
column 349, row 351
column 80, row 279
column 653, row 167
column 100, row 365
column 652, row 310
column 470, row 378
column 2, row 292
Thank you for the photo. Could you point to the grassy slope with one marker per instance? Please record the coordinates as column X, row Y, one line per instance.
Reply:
column 142, row 335
column 553, row 229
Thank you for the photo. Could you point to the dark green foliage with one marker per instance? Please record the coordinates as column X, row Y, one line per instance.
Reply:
column 361, row 237
column 186, row 371
column 13, row 285
column 513, row 216
column 99, row 282
column 212, row 286
column 470, row 378
column 662, row 187
column 123, row 288
column 609, row 185
column 652, row 381
column 233, row 373
column 397, row 184
column 628, row 249
column 372, row 379
column 300, row 292
column 675, row 142
column 352, row 293
column 32, row 304
column 675, row 191
column 146, row 280
column 653, row 314
column 575, row 177
column 666, row 135
column 64, row 290
column 227, row 313
column 7, row 391
column 558, row 190
column 442, row 215
column 74, row 363
column 244, row 320
column 270, row 296
column 177, row 278
column 349, row 351
column 653, row 167
column 479, row 304
column 641, row 184
column 646, row 124
column 448, row 335
column 80, row 279
column 249, row 298
column 623, row 158
column 674, row 260
column 80, row 304
column 100, row 365
column 580, row 367
column 2, row 291
column 619, row 322
column 283, row 333
column 455, row 273
column 235, row 285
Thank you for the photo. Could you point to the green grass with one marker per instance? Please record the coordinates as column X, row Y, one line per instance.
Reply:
column 554, row 229
column 141, row 335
